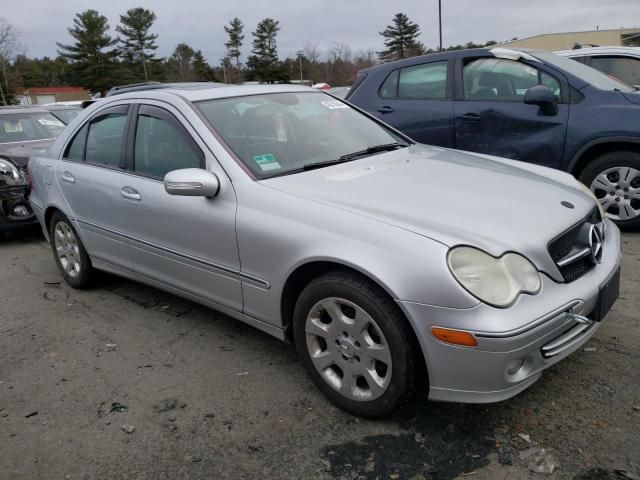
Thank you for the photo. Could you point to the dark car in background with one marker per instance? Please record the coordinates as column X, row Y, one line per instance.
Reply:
column 527, row 105
column 22, row 131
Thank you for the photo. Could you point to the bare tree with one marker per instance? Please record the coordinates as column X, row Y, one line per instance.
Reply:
column 311, row 54
column 8, row 48
column 366, row 58
column 341, row 67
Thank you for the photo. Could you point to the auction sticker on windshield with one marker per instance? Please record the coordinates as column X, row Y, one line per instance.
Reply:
column 13, row 127
column 333, row 104
column 267, row 162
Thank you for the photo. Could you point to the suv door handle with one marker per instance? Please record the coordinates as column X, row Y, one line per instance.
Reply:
column 68, row 177
column 385, row 109
column 471, row 117
column 130, row 193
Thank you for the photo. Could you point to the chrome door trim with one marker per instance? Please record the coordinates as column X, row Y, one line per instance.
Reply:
column 223, row 270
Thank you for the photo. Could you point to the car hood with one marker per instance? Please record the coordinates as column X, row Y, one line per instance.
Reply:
column 452, row 197
column 19, row 152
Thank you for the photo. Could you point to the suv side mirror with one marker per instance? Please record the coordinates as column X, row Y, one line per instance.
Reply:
column 192, row 182
column 544, row 98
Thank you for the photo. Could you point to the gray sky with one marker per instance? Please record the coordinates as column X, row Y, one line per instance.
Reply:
column 357, row 22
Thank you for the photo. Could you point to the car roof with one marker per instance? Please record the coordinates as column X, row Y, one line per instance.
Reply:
column 22, row 109
column 211, row 92
column 578, row 52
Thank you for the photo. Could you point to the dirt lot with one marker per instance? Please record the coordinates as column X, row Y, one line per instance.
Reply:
column 208, row 397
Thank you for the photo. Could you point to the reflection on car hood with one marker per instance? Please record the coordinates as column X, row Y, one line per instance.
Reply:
column 19, row 152
column 452, row 197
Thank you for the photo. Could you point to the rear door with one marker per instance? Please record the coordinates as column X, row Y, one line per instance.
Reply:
column 89, row 176
column 418, row 101
column 491, row 116
column 187, row 243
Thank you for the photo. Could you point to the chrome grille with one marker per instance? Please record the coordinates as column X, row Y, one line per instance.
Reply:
column 569, row 253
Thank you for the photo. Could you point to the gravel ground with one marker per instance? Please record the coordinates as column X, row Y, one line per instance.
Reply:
column 125, row 381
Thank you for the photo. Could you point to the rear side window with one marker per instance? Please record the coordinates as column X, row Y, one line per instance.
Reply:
column 105, row 137
column 162, row 144
column 75, row 149
column 419, row 82
column 622, row 68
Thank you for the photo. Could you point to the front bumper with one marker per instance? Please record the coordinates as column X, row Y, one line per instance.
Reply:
column 511, row 336
column 15, row 210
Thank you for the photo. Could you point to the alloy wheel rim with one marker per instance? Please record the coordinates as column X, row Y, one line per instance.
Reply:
column 618, row 192
column 67, row 249
column 348, row 349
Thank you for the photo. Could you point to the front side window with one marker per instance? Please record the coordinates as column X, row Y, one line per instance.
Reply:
column 623, row 68
column 506, row 80
column 24, row 127
column 161, row 145
column 419, row 82
column 279, row 133
column 105, row 137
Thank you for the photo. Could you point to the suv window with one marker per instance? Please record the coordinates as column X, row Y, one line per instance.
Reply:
column 106, row 133
column 162, row 144
column 622, row 68
column 421, row 82
column 506, row 80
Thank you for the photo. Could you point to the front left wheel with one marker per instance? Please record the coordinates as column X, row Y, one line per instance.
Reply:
column 356, row 344
column 69, row 253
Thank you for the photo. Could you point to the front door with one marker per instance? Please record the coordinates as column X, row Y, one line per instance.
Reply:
column 187, row 243
column 491, row 116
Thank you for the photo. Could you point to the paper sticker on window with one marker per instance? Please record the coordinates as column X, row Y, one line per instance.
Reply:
column 267, row 162
column 333, row 104
column 50, row 122
column 13, row 127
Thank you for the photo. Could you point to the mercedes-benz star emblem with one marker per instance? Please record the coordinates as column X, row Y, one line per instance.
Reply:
column 595, row 244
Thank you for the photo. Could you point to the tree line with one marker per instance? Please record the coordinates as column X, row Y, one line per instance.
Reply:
column 98, row 60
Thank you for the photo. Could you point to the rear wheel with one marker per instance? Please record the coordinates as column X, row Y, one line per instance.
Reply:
column 356, row 345
column 614, row 178
column 69, row 253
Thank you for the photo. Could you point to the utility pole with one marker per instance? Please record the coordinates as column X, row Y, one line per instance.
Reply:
column 300, row 59
column 440, row 22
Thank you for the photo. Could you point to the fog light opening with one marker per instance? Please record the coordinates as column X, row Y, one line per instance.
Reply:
column 515, row 366
column 455, row 337
column 20, row 211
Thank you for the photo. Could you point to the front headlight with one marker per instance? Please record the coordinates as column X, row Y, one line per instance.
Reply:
column 496, row 281
column 588, row 191
column 8, row 169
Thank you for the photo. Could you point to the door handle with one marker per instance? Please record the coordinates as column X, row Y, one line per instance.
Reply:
column 67, row 177
column 471, row 117
column 130, row 193
column 385, row 109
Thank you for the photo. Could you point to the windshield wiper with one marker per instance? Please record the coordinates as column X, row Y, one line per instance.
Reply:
column 386, row 147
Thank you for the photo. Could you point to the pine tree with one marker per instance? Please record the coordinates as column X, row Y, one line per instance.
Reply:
column 234, row 44
column 138, row 43
column 202, row 71
column 94, row 62
column 264, row 61
column 401, row 39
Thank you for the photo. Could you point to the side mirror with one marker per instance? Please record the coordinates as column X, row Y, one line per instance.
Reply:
column 544, row 98
column 192, row 182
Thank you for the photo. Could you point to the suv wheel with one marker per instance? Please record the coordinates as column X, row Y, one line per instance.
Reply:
column 71, row 257
column 355, row 343
column 614, row 178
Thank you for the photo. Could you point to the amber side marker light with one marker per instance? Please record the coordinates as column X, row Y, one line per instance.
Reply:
column 455, row 337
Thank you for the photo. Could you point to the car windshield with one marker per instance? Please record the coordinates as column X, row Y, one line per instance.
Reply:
column 279, row 133
column 590, row 75
column 66, row 115
column 28, row 126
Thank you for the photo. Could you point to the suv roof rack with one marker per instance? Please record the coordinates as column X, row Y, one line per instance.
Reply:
column 135, row 87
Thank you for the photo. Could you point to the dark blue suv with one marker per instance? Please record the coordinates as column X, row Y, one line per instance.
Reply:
column 528, row 105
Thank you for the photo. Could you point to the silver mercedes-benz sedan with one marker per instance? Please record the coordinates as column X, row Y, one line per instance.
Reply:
column 388, row 263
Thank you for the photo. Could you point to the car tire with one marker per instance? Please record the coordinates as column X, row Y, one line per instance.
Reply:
column 356, row 344
column 605, row 177
column 69, row 253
